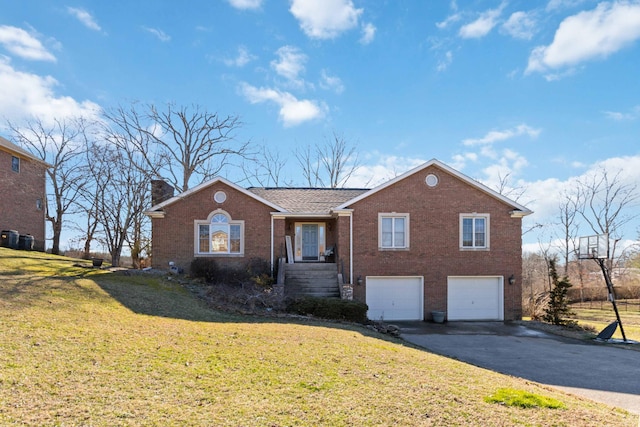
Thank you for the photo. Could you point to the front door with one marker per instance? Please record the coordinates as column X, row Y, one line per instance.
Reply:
column 310, row 242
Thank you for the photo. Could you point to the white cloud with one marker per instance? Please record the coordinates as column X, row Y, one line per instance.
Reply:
column 292, row 110
column 21, row 43
column 444, row 63
column 460, row 160
column 562, row 4
column 368, row 33
column 454, row 17
column 588, row 35
column 242, row 58
column 325, row 19
column 161, row 35
column 85, row 18
column 246, row 4
column 501, row 135
column 381, row 168
column 290, row 63
column 520, row 25
column 24, row 95
column 448, row 21
column 619, row 116
column 328, row 82
column 483, row 25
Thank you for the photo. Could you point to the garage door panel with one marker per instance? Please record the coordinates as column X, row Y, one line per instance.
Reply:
column 475, row 298
column 395, row 298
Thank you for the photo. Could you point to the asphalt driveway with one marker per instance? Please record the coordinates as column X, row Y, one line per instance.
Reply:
column 600, row 372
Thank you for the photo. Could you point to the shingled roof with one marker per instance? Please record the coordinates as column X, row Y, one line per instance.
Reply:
column 308, row 200
column 12, row 148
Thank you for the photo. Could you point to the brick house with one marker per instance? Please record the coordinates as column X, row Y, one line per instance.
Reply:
column 429, row 240
column 22, row 192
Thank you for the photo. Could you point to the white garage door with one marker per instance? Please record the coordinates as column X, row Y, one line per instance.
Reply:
column 395, row 298
column 475, row 298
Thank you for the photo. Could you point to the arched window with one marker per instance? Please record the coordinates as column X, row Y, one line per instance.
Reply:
column 220, row 235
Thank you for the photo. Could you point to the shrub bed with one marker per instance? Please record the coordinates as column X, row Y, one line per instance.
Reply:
column 329, row 308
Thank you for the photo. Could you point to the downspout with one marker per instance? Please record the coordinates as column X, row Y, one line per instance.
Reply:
column 272, row 266
column 351, row 247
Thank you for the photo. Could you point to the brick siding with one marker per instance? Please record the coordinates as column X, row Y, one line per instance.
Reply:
column 19, row 192
column 173, row 235
column 434, row 228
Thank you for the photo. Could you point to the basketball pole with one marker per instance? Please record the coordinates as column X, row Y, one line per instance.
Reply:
column 612, row 295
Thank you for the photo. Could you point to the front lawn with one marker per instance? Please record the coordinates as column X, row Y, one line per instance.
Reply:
column 86, row 347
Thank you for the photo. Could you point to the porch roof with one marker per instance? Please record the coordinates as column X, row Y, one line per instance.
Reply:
column 308, row 200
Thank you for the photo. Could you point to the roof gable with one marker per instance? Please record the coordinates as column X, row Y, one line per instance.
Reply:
column 204, row 185
column 433, row 162
column 9, row 146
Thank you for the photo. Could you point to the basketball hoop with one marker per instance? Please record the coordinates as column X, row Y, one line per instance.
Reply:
column 597, row 248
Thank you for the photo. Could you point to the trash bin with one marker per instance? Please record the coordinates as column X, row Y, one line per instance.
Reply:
column 26, row 242
column 438, row 316
column 9, row 239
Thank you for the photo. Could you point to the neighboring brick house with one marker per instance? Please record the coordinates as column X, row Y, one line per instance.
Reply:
column 22, row 192
column 429, row 240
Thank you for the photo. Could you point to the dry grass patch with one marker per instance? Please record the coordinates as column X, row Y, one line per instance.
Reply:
column 107, row 349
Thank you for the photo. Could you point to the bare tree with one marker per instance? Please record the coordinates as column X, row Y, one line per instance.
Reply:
column 606, row 203
column 121, row 202
column 265, row 169
column 131, row 130
column 309, row 164
column 330, row 164
column 61, row 145
column 506, row 188
column 90, row 196
column 568, row 213
column 184, row 145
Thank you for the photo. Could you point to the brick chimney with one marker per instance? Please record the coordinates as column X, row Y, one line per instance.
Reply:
column 160, row 191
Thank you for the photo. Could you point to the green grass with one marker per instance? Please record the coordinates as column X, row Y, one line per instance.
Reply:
column 599, row 319
column 86, row 347
column 523, row 399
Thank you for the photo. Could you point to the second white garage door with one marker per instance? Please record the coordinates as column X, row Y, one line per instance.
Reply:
column 475, row 298
column 395, row 298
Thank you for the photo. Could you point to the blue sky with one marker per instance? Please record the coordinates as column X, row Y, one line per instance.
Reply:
column 542, row 91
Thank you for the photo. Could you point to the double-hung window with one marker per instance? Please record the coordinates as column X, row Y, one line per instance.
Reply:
column 15, row 164
column 474, row 231
column 220, row 235
column 393, row 231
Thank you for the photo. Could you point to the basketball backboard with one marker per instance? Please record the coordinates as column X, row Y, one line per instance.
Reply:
column 594, row 247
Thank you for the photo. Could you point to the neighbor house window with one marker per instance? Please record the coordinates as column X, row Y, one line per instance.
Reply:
column 15, row 164
column 220, row 235
column 474, row 231
column 393, row 231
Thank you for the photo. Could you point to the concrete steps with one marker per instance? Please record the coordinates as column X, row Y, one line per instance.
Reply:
column 311, row 279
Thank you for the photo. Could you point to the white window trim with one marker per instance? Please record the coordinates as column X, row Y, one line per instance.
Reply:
column 474, row 215
column 406, row 231
column 196, row 236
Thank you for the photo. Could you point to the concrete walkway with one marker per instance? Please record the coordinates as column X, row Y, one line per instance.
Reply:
column 600, row 372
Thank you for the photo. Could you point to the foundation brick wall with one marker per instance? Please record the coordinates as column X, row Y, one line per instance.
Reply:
column 19, row 192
